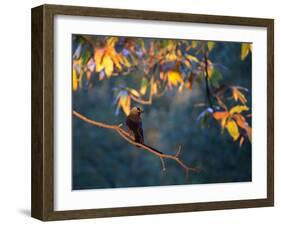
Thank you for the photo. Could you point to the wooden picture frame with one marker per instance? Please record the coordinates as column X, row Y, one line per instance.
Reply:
column 42, row 205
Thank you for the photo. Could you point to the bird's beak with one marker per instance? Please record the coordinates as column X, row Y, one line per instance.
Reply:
column 141, row 111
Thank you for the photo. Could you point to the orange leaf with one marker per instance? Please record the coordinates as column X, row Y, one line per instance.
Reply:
column 238, row 95
column 218, row 115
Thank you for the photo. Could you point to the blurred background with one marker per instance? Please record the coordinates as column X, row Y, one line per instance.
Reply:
column 102, row 159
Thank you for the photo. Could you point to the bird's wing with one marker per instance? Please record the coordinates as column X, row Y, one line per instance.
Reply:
column 140, row 132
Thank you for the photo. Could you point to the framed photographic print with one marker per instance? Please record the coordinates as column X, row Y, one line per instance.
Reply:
column 141, row 112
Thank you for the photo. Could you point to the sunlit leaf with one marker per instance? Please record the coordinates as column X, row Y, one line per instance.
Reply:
column 249, row 133
column 218, row 115
column 241, row 121
column 245, row 49
column 153, row 88
column 74, row 80
column 194, row 44
column 174, row 77
column 192, row 58
column 171, row 57
column 238, row 109
column 187, row 63
column 232, row 129
column 211, row 45
column 144, row 84
column 125, row 61
column 237, row 95
column 108, row 65
column 98, row 56
column 134, row 92
column 125, row 102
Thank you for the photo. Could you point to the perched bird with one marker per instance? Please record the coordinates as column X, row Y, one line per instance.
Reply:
column 134, row 124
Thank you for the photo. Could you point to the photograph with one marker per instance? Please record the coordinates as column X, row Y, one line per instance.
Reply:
column 149, row 111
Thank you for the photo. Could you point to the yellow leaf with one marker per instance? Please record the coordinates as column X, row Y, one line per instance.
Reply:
column 171, row 56
column 108, row 65
column 245, row 49
column 74, row 80
column 125, row 61
column 232, row 129
column 134, row 92
column 211, row 45
column 144, row 84
column 98, row 56
column 125, row 103
column 187, row 63
column 174, row 77
column 192, row 58
column 153, row 88
column 194, row 44
column 223, row 122
column 238, row 109
column 114, row 57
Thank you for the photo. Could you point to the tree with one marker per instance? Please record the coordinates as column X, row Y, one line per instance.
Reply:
column 164, row 65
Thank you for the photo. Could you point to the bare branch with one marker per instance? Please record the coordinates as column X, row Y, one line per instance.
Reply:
column 126, row 136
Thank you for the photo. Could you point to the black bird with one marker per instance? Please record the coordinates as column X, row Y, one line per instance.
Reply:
column 134, row 124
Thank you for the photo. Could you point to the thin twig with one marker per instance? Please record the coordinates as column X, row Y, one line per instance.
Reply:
column 125, row 135
column 208, row 92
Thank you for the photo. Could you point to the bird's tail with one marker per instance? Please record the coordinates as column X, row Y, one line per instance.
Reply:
column 151, row 148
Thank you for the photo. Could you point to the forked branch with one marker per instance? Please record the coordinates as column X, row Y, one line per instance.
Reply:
column 126, row 136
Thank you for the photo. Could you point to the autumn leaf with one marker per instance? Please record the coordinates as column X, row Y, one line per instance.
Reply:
column 134, row 92
column 192, row 58
column 144, row 84
column 74, row 80
column 245, row 49
column 98, row 57
column 210, row 45
column 174, row 77
column 241, row 121
column 107, row 65
column 238, row 109
column 218, row 115
column 232, row 129
column 153, row 88
column 237, row 95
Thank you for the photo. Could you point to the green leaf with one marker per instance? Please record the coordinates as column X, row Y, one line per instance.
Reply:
column 86, row 56
column 215, row 78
